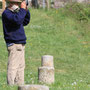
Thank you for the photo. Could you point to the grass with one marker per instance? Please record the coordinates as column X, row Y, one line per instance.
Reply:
column 54, row 33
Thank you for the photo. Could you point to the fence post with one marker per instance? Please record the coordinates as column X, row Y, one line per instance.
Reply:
column 44, row 4
column 3, row 4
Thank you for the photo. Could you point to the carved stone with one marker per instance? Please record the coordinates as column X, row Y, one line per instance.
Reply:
column 47, row 60
column 33, row 87
column 46, row 74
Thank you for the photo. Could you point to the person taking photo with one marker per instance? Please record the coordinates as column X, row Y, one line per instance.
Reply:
column 14, row 18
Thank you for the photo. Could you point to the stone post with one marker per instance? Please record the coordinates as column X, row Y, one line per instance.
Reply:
column 47, row 4
column 3, row 4
column 47, row 61
column 44, row 4
column 46, row 71
column 33, row 87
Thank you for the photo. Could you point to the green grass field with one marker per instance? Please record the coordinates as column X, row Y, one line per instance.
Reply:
column 54, row 33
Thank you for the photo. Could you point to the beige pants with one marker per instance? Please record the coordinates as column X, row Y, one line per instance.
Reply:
column 16, row 64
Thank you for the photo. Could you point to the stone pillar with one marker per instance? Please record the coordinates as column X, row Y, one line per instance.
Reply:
column 47, row 61
column 3, row 4
column 47, row 4
column 44, row 4
column 33, row 87
column 46, row 71
column 46, row 75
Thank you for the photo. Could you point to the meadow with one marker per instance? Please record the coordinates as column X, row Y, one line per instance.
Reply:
column 63, row 33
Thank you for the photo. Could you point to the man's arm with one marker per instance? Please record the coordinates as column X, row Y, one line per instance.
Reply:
column 14, row 18
column 11, row 18
column 26, row 19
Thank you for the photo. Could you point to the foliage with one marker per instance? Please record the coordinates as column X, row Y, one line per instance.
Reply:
column 79, row 11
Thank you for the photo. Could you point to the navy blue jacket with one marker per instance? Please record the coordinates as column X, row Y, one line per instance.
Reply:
column 13, row 25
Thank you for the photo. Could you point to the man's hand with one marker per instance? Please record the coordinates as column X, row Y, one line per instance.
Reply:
column 23, row 5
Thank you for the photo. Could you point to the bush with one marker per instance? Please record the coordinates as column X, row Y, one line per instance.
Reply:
column 79, row 11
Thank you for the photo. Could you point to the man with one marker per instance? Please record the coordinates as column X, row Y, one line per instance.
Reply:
column 14, row 17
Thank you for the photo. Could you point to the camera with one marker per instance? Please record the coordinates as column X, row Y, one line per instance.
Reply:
column 26, row 2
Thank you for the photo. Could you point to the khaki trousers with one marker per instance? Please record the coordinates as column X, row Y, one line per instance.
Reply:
column 16, row 64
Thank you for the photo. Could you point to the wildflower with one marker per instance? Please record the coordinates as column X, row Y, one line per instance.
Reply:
column 32, row 82
column 31, row 78
column 80, row 80
column 74, row 83
column 30, row 72
column 56, row 11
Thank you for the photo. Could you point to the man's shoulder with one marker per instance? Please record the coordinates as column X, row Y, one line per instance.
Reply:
column 6, row 11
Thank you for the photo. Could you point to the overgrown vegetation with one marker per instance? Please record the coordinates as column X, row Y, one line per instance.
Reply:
column 79, row 11
column 62, row 33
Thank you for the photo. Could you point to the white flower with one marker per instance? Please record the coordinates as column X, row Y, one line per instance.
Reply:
column 30, row 72
column 74, row 83
column 80, row 80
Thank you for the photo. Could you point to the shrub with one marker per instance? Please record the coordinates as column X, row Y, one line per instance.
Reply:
column 79, row 11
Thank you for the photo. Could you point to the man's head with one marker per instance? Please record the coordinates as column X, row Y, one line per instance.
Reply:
column 13, row 5
column 13, row 2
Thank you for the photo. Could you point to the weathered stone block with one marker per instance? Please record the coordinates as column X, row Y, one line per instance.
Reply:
column 47, row 60
column 46, row 74
column 33, row 87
